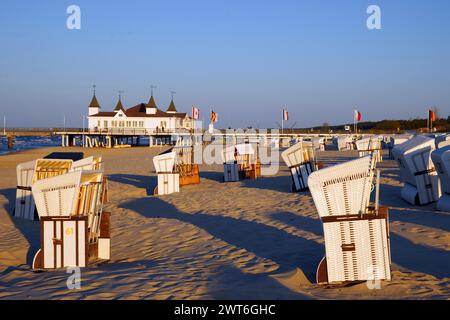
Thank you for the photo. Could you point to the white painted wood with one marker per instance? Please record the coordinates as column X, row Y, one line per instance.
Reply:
column 168, row 183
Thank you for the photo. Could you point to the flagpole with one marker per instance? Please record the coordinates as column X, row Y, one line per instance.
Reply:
column 282, row 122
column 4, row 125
column 428, row 121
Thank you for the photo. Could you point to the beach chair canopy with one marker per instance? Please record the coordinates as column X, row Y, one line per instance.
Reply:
column 413, row 157
column 343, row 189
column 441, row 160
column 76, row 193
column 297, row 154
column 164, row 162
column 442, row 141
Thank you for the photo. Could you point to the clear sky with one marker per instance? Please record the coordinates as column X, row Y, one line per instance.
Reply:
column 245, row 59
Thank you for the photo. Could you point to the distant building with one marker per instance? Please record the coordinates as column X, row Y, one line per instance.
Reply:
column 142, row 116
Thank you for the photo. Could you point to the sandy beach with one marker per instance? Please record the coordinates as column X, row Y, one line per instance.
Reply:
column 244, row 240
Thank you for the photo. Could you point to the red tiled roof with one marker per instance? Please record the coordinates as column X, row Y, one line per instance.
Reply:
column 140, row 111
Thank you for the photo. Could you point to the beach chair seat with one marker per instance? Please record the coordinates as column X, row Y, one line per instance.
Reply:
column 70, row 208
column 47, row 168
column 421, row 182
column 300, row 160
column 356, row 234
column 441, row 161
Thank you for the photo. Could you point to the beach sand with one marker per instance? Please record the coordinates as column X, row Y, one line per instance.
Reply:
column 243, row 240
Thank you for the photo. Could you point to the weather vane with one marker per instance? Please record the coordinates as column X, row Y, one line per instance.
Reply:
column 172, row 93
column 120, row 94
column 94, row 86
column 152, row 87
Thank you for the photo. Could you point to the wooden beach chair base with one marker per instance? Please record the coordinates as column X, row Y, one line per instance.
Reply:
column 230, row 172
column 167, row 183
column 64, row 243
column 352, row 261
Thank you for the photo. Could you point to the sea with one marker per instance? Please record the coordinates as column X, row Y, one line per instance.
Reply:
column 28, row 142
column 33, row 142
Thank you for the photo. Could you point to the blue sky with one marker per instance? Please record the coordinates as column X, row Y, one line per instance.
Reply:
column 244, row 59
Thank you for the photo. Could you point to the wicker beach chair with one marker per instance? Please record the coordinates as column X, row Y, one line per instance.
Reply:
column 356, row 234
column 421, row 182
column 368, row 146
column 342, row 143
column 185, row 166
column 70, row 208
column 300, row 160
column 241, row 162
column 168, row 179
column 441, row 161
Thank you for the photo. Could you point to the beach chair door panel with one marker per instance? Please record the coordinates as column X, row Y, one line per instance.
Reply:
column 426, row 179
column 52, row 244
column 74, row 236
column 25, row 207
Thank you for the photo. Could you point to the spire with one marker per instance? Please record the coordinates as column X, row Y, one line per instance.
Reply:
column 172, row 108
column 151, row 103
column 94, row 103
column 119, row 105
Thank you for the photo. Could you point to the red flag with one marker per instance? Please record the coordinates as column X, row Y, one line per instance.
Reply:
column 195, row 113
column 213, row 116
column 432, row 115
column 285, row 115
column 357, row 115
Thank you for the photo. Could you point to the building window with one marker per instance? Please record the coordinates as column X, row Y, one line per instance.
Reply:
column 134, row 124
column 141, row 124
column 98, row 123
column 105, row 123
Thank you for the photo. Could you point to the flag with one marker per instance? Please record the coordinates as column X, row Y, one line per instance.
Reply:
column 285, row 115
column 431, row 115
column 195, row 113
column 213, row 116
column 357, row 116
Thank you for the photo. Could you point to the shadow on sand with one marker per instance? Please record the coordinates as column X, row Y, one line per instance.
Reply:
column 29, row 229
column 288, row 251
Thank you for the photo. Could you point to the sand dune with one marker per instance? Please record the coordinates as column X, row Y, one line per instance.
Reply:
column 243, row 240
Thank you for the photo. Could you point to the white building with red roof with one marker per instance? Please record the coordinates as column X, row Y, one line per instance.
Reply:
column 144, row 116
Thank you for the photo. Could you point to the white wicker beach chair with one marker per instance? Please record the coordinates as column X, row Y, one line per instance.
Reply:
column 241, row 162
column 25, row 207
column 421, row 182
column 343, row 142
column 168, row 179
column 301, row 162
column 356, row 235
column 368, row 146
column 70, row 208
column 441, row 160
column 318, row 143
